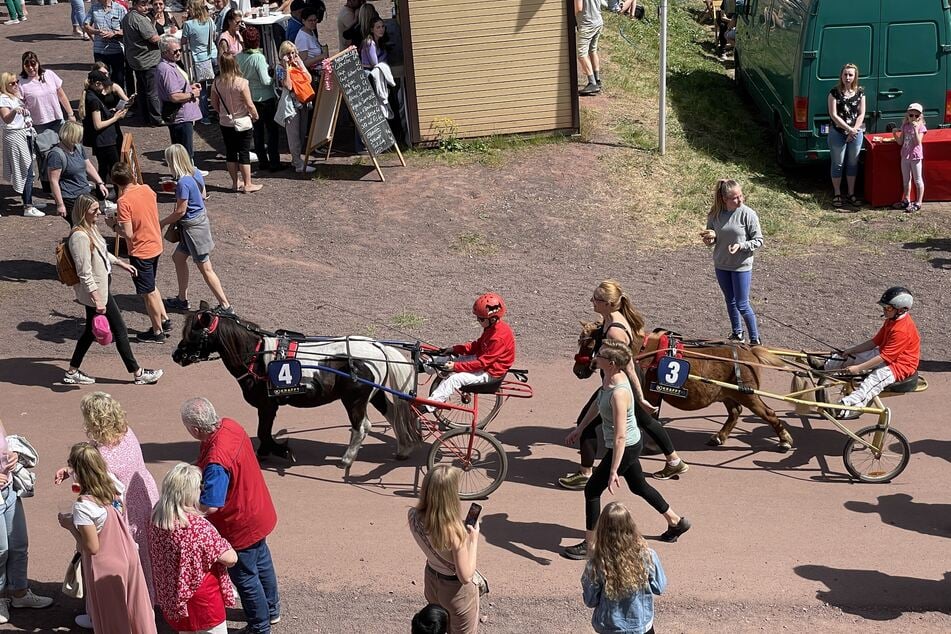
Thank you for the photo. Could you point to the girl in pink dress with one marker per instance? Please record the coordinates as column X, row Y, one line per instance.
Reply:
column 106, row 427
column 116, row 594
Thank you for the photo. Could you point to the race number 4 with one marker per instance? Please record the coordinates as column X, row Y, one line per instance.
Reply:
column 673, row 372
column 284, row 373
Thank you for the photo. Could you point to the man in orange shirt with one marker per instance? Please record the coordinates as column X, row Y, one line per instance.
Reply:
column 892, row 354
column 138, row 222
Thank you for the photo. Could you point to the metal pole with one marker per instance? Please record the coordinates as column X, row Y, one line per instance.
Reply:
column 662, row 115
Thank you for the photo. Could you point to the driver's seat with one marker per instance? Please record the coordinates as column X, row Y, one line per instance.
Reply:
column 490, row 387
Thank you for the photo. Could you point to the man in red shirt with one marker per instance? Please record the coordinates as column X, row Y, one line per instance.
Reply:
column 138, row 222
column 237, row 502
column 892, row 354
column 493, row 353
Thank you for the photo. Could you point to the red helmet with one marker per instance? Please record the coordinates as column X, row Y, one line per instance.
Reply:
column 488, row 305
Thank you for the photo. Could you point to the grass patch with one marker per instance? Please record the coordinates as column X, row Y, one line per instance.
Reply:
column 494, row 150
column 407, row 320
column 473, row 244
column 711, row 134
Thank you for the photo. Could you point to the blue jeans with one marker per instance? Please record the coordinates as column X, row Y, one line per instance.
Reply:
column 736, row 291
column 27, row 195
column 14, row 543
column 78, row 12
column 253, row 577
column 843, row 151
column 183, row 133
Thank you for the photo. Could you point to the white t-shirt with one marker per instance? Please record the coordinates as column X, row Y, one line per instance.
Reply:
column 19, row 121
column 89, row 513
column 307, row 43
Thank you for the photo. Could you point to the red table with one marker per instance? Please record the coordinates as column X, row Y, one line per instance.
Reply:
column 883, row 167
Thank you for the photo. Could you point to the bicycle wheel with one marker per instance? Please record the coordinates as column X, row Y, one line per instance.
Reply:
column 483, row 471
column 868, row 465
column 489, row 406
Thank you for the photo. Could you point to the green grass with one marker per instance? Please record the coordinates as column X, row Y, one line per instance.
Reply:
column 493, row 150
column 711, row 134
column 473, row 244
column 407, row 320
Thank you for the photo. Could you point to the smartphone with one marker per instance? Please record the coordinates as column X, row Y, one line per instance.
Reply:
column 473, row 515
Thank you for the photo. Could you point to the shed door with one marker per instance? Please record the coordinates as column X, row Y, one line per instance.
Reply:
column 913, row 67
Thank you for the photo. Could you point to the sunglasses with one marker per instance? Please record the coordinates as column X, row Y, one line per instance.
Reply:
column 14, row 82
column 914, row 115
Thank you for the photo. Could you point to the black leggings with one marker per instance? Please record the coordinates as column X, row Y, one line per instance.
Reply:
column 119, row 334
column 588, row 442
column 106, row 156
column 630, row 470
column 237, row 145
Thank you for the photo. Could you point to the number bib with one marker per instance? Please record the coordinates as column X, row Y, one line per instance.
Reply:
column 284, row 378
column 672, row 373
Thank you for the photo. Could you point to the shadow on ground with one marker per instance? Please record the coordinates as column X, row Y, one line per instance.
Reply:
column 877, row 596
column 519, row 537
column 934, row 245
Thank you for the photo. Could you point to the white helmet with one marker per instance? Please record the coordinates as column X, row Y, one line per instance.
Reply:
column 898, row 297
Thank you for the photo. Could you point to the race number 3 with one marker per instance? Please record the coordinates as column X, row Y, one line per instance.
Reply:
column 673, row 372
column 284, row 373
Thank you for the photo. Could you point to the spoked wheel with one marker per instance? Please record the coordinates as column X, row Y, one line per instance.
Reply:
column 489, row 406
column 483, row 470
column 871, row 465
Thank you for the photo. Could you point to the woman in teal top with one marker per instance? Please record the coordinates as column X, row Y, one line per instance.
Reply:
column 616, row 407
column 254, row 67
column 199, row 32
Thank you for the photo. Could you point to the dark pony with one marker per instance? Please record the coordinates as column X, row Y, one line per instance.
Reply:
column 724, row 367
column 241, row 347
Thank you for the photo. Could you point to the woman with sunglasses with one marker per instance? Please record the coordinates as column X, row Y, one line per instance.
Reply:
column 94, row 264
column 18, row 138
column 43, row 95
column 615, row 407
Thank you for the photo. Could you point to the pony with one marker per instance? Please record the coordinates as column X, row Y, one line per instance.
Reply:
column 245, row 349
column 730, row 365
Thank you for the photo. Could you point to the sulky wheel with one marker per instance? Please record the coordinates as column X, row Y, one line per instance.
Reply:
column 869, row 465
column 489, row 406
column 483, row 470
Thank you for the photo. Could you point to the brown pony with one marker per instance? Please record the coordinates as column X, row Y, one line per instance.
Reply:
column 701, row 394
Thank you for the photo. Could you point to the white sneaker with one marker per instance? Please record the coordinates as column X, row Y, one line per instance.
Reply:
column 147, row 377
column 78, row 378
column 30, row 600
column 109, row 207
column 306, row 169
column 4, row 611
column 84, row 621
column 32, row 212
column 11, row 22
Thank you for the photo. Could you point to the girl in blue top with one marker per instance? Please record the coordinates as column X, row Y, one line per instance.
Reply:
column 622, row 576
column 623, row 439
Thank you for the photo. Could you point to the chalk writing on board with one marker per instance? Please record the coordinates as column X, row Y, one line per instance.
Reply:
column 362, row 102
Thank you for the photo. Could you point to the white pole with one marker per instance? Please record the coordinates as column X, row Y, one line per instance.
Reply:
column 662, row 125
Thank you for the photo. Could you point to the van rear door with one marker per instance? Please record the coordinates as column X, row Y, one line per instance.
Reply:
column 913, row 60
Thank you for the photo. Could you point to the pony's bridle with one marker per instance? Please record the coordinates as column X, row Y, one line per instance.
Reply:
column 208, row 321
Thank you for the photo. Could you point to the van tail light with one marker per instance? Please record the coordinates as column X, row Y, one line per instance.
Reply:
column 801, row 113
column 947, row 107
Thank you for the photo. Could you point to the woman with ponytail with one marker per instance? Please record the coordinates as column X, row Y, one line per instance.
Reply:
column 734, row 233
column 622, row 322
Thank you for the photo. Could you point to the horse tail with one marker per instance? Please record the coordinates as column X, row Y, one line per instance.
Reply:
column 400, row 376
column 766, row 357
column 798, row 384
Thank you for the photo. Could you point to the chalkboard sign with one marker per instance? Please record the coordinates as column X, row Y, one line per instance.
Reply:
column 362, row 101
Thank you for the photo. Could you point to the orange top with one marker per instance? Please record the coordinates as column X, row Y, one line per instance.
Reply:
column 138, row 205
column 899, row 345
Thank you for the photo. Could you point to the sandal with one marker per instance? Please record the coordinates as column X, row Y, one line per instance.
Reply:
column 837, row 201
column 854, row 200
column 912, row 208
column 901, row 205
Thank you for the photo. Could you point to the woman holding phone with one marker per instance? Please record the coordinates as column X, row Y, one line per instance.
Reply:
column 451, row 548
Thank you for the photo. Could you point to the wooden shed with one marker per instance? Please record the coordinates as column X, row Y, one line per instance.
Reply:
column 489, row 67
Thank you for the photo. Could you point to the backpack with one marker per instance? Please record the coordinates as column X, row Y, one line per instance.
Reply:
column 65, row 266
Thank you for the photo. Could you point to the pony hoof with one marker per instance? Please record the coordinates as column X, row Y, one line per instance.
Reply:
column 783, row 447
column 714, row 441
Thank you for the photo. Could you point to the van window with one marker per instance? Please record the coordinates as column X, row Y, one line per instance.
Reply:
column 787, row 17
column 843, row 45
column 910, row 49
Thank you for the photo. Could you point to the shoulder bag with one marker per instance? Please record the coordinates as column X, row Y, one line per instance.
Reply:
column 302, row 88
column 173, row 234
column 73, row 580
column 240, row 124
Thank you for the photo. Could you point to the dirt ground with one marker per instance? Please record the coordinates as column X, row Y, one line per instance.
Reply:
column 782, row 542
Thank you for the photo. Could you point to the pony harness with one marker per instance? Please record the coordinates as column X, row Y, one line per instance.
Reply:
column 669, row 344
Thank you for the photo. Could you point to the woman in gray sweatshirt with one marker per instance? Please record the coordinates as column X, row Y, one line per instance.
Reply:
column 734, row 233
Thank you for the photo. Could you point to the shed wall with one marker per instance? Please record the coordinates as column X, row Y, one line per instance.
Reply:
column 492, row 67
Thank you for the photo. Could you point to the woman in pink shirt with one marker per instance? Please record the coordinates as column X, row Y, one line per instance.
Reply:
column 43, row 95
column 230, row 40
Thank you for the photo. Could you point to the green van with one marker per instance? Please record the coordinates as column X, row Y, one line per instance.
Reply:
column 789, row 52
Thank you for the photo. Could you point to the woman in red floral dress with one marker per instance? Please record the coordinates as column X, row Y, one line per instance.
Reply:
column 189, row 557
